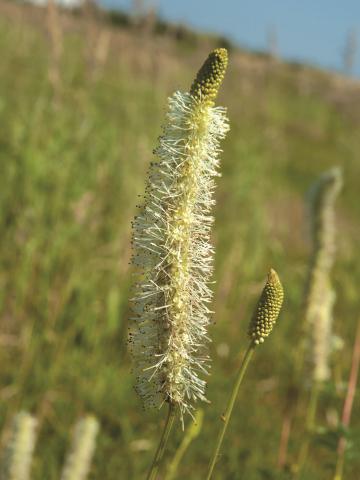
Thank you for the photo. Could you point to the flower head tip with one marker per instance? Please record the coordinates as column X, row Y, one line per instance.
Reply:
column 268, row 309
column 208, row 80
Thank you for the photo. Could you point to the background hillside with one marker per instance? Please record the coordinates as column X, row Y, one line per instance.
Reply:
column 82, row 101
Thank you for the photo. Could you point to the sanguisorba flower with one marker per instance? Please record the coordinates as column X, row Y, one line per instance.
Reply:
column 18, row 453
column 171, row 247
column 78, row 460
column 320, row 296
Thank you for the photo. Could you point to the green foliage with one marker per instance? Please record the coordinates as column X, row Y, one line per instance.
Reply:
column 71, row 169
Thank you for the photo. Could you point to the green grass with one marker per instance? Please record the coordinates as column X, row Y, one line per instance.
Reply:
column 70, row 173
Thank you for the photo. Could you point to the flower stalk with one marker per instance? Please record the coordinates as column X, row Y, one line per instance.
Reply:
column 163, row 441
column 191, row 433
column 225, row 418
column 348, row 405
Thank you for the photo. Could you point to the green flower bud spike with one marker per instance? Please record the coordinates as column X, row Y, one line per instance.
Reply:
column 267, row 310
column 263, row 320
column 210, row 76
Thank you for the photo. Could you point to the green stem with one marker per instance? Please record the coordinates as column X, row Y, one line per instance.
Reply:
column 348, row 404
column 310, row 425
column 191, row 433
column 340, row 465
column 292, row 400
column 229, row 408
column 163, row 442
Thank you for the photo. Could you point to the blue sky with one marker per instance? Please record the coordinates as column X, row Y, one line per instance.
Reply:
column 312, row 31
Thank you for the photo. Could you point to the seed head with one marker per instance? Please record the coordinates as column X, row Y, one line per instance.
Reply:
column 208, row 80
column 267, row 309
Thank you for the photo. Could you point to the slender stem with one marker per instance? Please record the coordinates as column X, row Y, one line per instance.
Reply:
column 349, row 400
column 340, row 461
column 163, row 442
column 310, row 424
column 284, row 437
column 226, row 417
column 191, row 433
column 291, row 405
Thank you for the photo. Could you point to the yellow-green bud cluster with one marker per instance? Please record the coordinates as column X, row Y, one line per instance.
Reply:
column 208, row 80
column 267, row 309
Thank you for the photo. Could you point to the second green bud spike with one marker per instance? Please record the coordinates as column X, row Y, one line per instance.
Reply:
column 265, row 315
column 267, row 310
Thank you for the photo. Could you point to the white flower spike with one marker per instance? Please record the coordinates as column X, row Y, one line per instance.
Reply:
column 320, row 297
column 171, row 248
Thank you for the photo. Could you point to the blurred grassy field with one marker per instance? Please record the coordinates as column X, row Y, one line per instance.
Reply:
column 72, row 163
